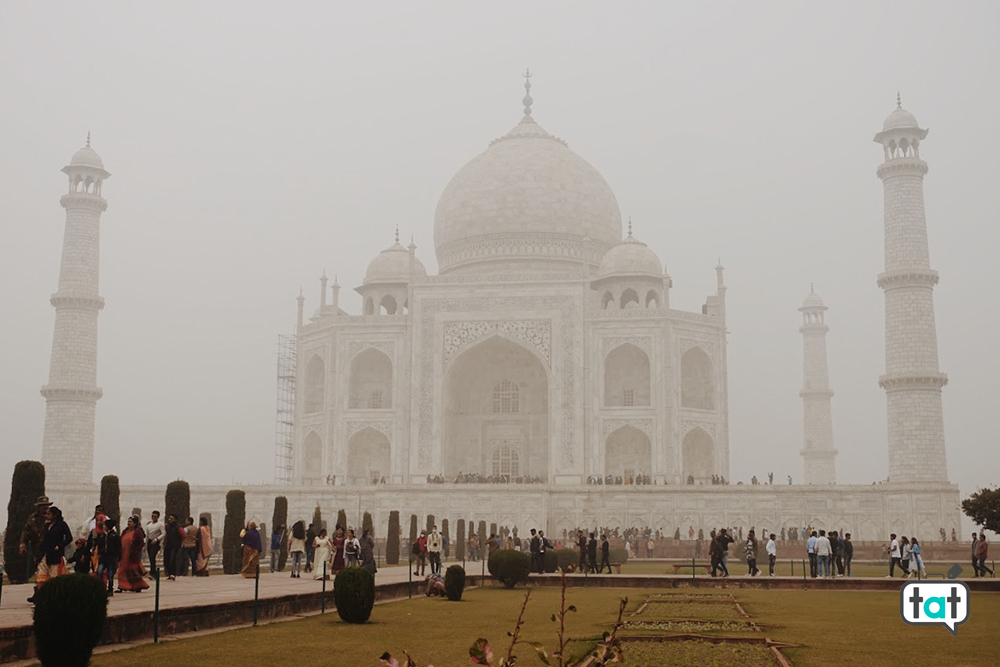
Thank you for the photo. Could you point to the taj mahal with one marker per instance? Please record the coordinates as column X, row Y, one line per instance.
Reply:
column 545, row 358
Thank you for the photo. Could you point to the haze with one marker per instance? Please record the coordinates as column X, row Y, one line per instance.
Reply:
column 253, row 145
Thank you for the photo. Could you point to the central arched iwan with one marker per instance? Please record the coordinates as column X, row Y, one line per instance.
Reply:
column 368, row 457
column 371, row 381
column 628, row 452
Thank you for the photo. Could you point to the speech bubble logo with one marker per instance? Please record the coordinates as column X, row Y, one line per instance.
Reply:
column 935, row 603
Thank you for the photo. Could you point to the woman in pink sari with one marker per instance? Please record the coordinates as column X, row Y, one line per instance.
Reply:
column 204, row 548
column 130, row 571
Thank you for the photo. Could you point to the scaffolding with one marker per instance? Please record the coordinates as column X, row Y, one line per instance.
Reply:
column 284, row 432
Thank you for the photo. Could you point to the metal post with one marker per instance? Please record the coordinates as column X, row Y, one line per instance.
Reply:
column 803, row 572
column 27, row 565
column 256, row 593
column 156, row 609
column 792, row 561
column 409, row 574
column 322, row 599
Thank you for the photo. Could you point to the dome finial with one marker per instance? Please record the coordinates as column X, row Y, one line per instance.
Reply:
column 812, row 290
column 88, row 138
column 630, row 226
column 899, row 101
column 527, row 92
column 397, row 233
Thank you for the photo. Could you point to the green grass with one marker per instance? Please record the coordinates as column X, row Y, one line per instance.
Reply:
column 783, row 568
column 703, row 654
column 834, row 629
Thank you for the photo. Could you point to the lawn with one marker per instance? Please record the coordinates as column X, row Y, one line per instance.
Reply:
column 783, row 568
column 834, row 628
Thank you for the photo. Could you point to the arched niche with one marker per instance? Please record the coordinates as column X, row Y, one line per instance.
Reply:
column 629, row 299
column 368, row 456
column 652, row 299
column 314, row 385
column 626, row 377
column 697, row 380
column 607, row 301
column 388, row 305
column 312, row 458
column 698, row 456
column 371, row 381
column 495, row 399
column 369, row 306
column 627, row 451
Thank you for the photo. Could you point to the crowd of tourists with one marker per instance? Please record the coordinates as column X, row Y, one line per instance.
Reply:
column 477, row 478
column 315, row 551
column 112, row 554
column 620, row 480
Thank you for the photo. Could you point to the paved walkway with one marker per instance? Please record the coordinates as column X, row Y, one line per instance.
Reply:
column 190, row 591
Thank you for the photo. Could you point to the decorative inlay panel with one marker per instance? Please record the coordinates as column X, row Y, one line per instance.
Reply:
column 535, row 333
column 644, row 343
column 687, row 425
column 709, row 346
column 383, row 426
column 356, row 346
column 609, row 426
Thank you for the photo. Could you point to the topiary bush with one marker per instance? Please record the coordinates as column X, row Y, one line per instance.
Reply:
column 482, row 537
column 460, row 540
column 509, row 567
column 110, row 498
column 177, row 501
column 446, row 541
column 617, row 554
column 342, row 519
column 413, row 528
column 354, row 594
column 551, row 562
column 236, row 511
column 567, row 559
column 366, row 524
column 317, row 519
column 27, row 483
column 454, row 582
column 392, row 539
column 279, row 518
column 430, row 523
column 69, row 618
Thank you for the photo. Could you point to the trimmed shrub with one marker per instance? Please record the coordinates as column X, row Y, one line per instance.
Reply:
column 342, row 519
column 430, row 523
column 354, row 594
column 551, row 562
column 392, row 539
column 69, row 617
column 618, row 554
column 493, row 529
column 177, row 501
column 565, row 558
column 460, row 540
column 482, row 537
column 278, row 519
column 110, row 498
column 454, row 582
column 236, row 512
column 446, row 542
column 317, row 520
column 509, row 567
column 413, row 529
column 366, row 524
column 27, row 483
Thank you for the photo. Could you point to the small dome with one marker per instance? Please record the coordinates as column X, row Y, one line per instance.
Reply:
column 392, row 265
column 631, row 257
column 813, row 301
column 900, row 119
column 87, row 157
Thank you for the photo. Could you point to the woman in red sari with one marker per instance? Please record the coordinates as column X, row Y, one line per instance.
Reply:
column 338, row 550
column 130, row 572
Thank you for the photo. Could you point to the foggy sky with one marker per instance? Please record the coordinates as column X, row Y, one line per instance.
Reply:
column 252, row 145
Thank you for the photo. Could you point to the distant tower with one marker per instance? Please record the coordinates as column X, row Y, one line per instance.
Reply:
column 912, row 381
column 818, row 455
column 72, row 393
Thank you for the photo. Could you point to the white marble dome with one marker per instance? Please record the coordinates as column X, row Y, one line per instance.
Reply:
column 527, row 201
column 900, row 119
column 631, row 257
column 813, row 301
column 86, row 157
column 392, row 265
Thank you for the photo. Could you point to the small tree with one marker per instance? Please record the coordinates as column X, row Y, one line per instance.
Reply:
column 392, row 539
column 446, row 542
column 69, row 617
column 27, row 483
column 236, row 512
column 342, row 519
column 110, row 498
column 317, row 519
column 493, row 529
column 279, row 521
column 454, row 582
column 177, row 500
column 430, row 523
column 482, row 537
column 460, row 540
column 366, row 524
column 413, row 530
column 983, row 507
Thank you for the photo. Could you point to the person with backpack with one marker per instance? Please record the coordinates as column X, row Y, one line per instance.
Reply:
column 277, row 539
column 352, row 549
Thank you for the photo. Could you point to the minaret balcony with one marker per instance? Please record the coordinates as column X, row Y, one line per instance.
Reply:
column 908, row 278
column 78, row 301
column 84, row 200
column 902, row 166
column 926, row 381
column 71, row 393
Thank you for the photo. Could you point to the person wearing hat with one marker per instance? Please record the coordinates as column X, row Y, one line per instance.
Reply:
column 32, row 534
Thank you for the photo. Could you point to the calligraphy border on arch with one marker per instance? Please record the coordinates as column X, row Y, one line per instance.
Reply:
column 609, row 426
column 355, row 347
column 383, row 427
column 688, row 425
column 460, row 335
column 430, row 308
column 644, row 343
column 709, row 346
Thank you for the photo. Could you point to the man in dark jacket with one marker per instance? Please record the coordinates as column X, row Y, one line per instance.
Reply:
column 592, row 553
column 57, row 537
column 713, row 552
column 32, row 534
column 172, row 547
column 605, row 555
column 848, row 553
column 581, row 541
column 535, row 546
column 724, row 541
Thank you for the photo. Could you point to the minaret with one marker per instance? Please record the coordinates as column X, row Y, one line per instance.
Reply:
column 72, row 392
column 912, row 381
column 818, row 455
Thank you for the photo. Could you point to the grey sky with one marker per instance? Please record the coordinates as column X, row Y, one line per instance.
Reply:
column 252, row 145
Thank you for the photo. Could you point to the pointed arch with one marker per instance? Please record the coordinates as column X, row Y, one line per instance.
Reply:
column 697, row 380
column 652, row 299
column 314, row 385
column 369, row 456
column 388, row 304
column 627, row 452
column 369, row 307
column 608, row 300
column 371, row 381
column 629, row 297
column 698, row 455
column 312, row 458
column 626, row 377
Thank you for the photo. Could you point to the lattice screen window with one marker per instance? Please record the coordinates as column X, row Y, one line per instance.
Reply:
column 628, row 399
column 506, row 398
column 376, row 400
column 506, row 461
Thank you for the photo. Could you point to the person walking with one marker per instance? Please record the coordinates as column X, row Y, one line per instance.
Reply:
column 894, row 554
column 982, row 553
column 823, row 553
column 535, row 548
column 811, row 552
column 337, row 543
column 975, row 554
column 130, row 569
column 173, row 535
column 605, row 555
column 724, row 541
column 751, row 554
column 352, row 549
column 592, row 553
column 311, row 534
column 916, row 561
column 57, row 537
column 581, row 542
column 434, row 550
column 848, row 553
column 474, row 546
column 97, row 548
column 252, row 547
column 32, row 535
column 772, row 554
column 154, row 534
column 907, row 551
column 204, row 547
column 278, row 537
column 321, row 556
column 297, row 548
column 189, row 547
column 713, row 552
